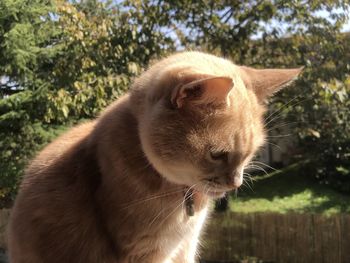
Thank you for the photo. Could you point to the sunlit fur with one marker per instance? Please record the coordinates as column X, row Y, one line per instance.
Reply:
column 113, row 190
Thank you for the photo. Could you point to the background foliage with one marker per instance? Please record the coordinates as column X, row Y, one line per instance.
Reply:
column 63, row 61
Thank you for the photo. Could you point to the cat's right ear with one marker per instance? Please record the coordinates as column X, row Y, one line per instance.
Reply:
column 201, row 91
column 266, row 82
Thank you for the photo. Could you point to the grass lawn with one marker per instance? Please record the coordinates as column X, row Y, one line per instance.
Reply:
column 287, row 191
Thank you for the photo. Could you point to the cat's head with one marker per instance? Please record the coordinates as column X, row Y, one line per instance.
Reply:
column 201, row 118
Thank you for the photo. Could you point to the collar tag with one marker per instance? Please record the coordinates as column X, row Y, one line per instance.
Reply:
column 189, row 203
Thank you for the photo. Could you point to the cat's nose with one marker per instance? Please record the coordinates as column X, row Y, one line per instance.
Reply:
column 235, row 179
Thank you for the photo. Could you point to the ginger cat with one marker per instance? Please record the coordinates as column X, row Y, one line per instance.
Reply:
column 134, row 185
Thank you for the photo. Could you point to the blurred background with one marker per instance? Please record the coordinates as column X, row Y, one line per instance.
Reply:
column 62, row 62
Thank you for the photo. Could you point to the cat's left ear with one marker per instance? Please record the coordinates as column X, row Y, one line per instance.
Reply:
column 202, row 90
column 266, row 82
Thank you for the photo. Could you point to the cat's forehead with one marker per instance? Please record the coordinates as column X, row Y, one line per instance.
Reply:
column 177, row 69
column 197, row 62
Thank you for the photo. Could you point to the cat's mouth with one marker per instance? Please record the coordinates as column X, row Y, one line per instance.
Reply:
column 213, row 189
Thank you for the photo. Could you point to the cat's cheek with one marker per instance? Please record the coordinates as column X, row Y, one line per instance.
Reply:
column 181, row 173
column 178, row 173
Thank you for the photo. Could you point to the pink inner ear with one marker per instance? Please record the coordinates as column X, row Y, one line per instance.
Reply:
column 203, row 91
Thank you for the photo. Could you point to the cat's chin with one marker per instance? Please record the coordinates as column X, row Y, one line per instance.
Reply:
column 215, row 195
column 211, row 192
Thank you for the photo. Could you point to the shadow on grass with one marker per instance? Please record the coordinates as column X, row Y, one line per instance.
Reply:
column 290, row 188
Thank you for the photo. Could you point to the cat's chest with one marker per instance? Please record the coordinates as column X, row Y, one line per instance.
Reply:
column 162, row 232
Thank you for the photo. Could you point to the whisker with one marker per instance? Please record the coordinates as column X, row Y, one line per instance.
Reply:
column 185, row 195
column 206, row 192
column 161, row 212
column 207, row 188
column 281, row 125
column 279, row 136
column 247, row 186
column 280, row 108
column 284, row 106
column 245, row 183
column 140, row 201
column 177, row 206
column 172, row 212
column 273, row 144
column 266, row 165
column 251, row 179
column 258, row 168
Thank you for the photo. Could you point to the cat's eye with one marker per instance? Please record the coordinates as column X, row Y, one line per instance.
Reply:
column 219, row 156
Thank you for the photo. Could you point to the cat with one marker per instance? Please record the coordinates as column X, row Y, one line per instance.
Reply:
column 135, row 184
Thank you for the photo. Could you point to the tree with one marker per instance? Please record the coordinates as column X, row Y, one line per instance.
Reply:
column 64, row 61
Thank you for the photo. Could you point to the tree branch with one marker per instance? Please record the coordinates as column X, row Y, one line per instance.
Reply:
column 9, row 90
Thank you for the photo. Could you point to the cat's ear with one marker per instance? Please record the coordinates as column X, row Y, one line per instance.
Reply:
column 202, row 90
column 265, row 82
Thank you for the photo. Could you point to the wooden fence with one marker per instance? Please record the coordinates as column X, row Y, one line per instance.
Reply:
column 295, row 238
column 278, row 238
column 4, row 217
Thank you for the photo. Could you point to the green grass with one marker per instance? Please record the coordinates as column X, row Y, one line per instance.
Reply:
column 288, row 191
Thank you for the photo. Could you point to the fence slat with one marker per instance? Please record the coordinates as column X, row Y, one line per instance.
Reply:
column 4, row 217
